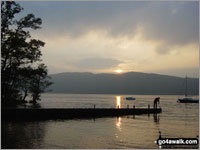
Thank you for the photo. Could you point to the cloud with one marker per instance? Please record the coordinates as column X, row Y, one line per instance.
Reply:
column 135, row 36
column 175, row 23
column 163, row 49
column 91, row 53
column 97, row 63
column 175, row 29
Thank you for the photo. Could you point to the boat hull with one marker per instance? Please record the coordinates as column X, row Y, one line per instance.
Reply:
column 130, row 98
column 188, row 101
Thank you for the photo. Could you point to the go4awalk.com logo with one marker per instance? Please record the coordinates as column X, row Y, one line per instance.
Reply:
column 176, row 142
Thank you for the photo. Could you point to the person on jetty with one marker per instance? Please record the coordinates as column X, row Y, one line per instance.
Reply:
column 156, row 100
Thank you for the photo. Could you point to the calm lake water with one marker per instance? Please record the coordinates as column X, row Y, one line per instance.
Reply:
column 140, row 131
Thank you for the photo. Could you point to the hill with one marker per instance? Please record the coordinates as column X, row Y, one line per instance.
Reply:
column 126, row 83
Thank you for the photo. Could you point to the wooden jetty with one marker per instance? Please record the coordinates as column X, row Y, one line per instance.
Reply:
column 71, row 113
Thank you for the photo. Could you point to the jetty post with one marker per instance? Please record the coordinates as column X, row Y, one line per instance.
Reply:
column 148, row 110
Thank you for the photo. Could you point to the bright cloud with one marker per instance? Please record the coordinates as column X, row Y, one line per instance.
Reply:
column 160, row 37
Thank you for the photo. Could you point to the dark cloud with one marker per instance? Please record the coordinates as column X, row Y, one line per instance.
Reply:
column 162, row 49
column 97, row 63
column 177, row 23
column 174, row 22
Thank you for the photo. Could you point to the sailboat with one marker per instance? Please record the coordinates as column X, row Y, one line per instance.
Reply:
column 187, row 99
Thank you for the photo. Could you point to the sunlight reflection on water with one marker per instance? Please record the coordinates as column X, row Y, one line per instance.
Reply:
column 118, row 101
column 118, row 123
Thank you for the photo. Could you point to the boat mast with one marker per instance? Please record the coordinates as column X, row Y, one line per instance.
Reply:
column 186, row 87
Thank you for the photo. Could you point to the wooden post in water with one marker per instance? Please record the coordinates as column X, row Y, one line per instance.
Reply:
column 128, row 106
column 148, row 106
column 133, row 110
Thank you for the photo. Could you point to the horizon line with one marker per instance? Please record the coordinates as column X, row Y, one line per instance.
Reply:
column 121, row 73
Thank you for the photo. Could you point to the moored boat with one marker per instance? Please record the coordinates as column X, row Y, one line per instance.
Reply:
column 187, row 99
column 130, row 98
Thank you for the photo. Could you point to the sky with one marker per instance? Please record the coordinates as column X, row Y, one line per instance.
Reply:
column 102, row 37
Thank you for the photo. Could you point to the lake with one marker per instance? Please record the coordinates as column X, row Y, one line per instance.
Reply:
column 177, row 120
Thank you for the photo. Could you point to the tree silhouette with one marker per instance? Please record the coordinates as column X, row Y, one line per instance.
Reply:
column 39, row 82
column 20, row 54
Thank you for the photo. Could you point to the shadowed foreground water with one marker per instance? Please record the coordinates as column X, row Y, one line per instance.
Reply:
column 176, row 120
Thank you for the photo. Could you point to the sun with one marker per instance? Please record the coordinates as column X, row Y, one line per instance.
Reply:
column 118, row 71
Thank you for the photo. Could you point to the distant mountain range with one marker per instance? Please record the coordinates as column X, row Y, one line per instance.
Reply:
column 126, row 83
